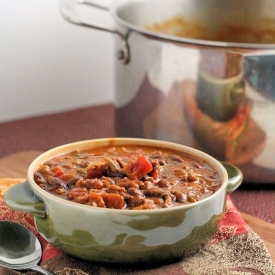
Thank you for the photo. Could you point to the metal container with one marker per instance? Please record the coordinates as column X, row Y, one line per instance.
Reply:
column 196, row 72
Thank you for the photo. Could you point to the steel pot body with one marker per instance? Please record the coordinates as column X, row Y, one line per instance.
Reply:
column 124, row 236
column 203, row 88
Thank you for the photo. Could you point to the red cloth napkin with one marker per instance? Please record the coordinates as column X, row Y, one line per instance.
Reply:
column 235, row 249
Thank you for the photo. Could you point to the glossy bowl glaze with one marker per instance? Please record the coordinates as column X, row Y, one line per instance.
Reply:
column 124, row 236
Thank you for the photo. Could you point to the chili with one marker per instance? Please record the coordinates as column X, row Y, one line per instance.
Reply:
column 124, row 177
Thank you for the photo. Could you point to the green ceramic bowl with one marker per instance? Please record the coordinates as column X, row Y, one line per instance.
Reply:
column 123, row 236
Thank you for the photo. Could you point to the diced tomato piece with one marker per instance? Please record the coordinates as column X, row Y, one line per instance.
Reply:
column 57, row 171
column 96, row 170
column 139, row 168
column 113, row 200
column 154, row 173
column 96, row 199
column 67, row 177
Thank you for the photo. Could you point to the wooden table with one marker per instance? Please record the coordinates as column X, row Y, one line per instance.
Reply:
column 16, row 165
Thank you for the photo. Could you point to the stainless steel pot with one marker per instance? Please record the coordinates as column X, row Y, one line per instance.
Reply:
column 191, row 71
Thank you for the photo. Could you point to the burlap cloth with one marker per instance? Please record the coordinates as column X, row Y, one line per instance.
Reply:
column 234, row 250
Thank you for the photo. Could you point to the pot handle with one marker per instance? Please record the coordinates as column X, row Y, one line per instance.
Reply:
column 21, row 198
column 68, row 10
column 235, row 177
column 101, row 4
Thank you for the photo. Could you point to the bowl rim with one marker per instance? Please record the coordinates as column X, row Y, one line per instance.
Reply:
column 59, row 150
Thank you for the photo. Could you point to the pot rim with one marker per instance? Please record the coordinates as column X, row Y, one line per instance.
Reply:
column 116, row 4
column 127, row 141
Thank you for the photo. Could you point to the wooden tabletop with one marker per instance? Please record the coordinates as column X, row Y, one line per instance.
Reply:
column 16, row 165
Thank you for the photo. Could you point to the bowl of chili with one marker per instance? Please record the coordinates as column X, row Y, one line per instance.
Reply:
column 125, row 200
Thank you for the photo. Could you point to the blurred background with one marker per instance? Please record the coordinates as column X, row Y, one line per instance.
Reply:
column 49, row 65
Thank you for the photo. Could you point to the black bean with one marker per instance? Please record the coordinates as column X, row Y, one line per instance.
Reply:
column 133, row 201
column 39, row 178
column 110, row 173
column 156, row 192
column 134, row 191
column 56, row 183
column 180, row 197
column 175, row 158
column 163, row 183
column 124, row 182
column 73, row 181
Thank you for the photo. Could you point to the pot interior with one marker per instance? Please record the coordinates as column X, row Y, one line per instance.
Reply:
column 230, row 21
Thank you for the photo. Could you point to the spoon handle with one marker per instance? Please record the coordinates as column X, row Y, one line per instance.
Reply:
column 41, row 270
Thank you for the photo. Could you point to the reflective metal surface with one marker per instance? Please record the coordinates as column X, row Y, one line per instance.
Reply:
column 19, row 248
column 193, row 74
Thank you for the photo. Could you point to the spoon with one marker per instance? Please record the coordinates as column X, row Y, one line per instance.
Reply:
column 19, row 248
